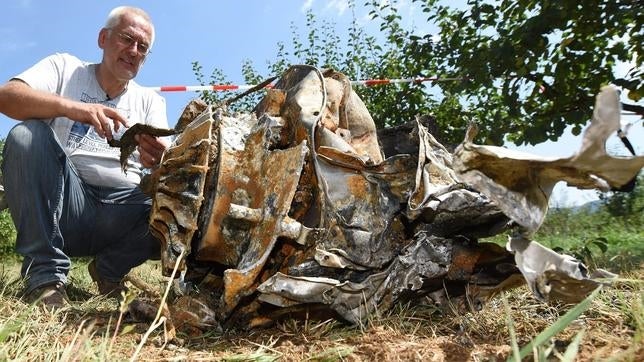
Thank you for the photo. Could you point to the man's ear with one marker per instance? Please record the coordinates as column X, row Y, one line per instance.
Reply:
column 102, row 37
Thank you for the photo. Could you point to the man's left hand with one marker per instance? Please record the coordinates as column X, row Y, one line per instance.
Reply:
column 151, row 149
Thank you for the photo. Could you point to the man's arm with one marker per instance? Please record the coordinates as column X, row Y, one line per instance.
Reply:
column 19, row 101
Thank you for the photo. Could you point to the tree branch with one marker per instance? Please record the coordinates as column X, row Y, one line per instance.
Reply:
column 633, row 108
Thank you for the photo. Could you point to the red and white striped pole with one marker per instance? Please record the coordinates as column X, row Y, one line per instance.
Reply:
column 233, row 87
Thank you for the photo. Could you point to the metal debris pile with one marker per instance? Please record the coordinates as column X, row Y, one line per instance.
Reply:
column 297, row 207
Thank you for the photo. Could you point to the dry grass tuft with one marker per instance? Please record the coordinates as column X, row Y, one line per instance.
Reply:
column 614, row 327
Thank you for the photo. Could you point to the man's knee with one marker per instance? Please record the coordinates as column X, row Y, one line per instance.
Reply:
column 25, row 134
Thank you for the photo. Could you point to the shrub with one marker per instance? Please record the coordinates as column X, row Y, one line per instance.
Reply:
column 7, row 234
column 7, row 229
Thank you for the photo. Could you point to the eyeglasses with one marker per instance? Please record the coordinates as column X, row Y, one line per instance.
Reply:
column 127, row 40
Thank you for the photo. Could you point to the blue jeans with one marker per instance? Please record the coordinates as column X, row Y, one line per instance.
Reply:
column 58, row 216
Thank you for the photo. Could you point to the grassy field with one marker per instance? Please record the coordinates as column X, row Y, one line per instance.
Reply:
column 612, row 324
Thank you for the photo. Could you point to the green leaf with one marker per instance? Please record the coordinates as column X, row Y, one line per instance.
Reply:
column 601, row 244
column 573, row 348
column 127, row 329
column 565, row 42
column 333, row 354
column 259, row 356
column 8, row 328
column 561, row 323
column 513, row 334
column 634, row 95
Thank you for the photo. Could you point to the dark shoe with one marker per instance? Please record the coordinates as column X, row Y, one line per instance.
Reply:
column 51, row 296
column 106, row 288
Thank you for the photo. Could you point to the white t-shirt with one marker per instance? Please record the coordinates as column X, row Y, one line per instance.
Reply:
column 97, row 162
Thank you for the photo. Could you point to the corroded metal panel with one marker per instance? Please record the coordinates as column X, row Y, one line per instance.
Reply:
column 296, row 205
column 178, row 197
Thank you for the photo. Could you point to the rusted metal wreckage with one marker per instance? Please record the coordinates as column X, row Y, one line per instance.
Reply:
column 300, row 205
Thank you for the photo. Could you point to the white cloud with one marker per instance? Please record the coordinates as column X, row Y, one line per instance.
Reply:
column 364, row 19
column 25, row 4
column 306, row 6
column 8, row 46
column 9, row 41
column 340, row 6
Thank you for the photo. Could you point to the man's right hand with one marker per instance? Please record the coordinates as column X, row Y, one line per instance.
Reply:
column 104, row 119
column 19, row 101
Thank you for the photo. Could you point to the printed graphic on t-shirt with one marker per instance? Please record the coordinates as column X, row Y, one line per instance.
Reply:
column 82, row 136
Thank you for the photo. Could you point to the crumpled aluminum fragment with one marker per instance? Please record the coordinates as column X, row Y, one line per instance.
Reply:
column 299, row 207
column 551, row 275
column 521, row 184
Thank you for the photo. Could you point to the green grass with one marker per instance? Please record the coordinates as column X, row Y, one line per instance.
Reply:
column 597, row 238
column 613, row 324
column 542, row 340
column 608, row 326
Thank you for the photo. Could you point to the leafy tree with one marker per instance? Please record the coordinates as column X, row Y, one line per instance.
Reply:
column 527, row 69
column 534, row 67
column 359, row 57
column 625, row 203
column 217, row 77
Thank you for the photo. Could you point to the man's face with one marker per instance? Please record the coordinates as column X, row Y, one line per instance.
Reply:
column 125, row 46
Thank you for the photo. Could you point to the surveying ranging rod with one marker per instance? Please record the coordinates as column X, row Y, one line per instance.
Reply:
column 234, row 87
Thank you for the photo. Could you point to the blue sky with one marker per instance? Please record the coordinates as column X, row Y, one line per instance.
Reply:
column 218, row 34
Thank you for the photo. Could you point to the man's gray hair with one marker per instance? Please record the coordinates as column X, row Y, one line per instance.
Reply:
column 114, row 17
